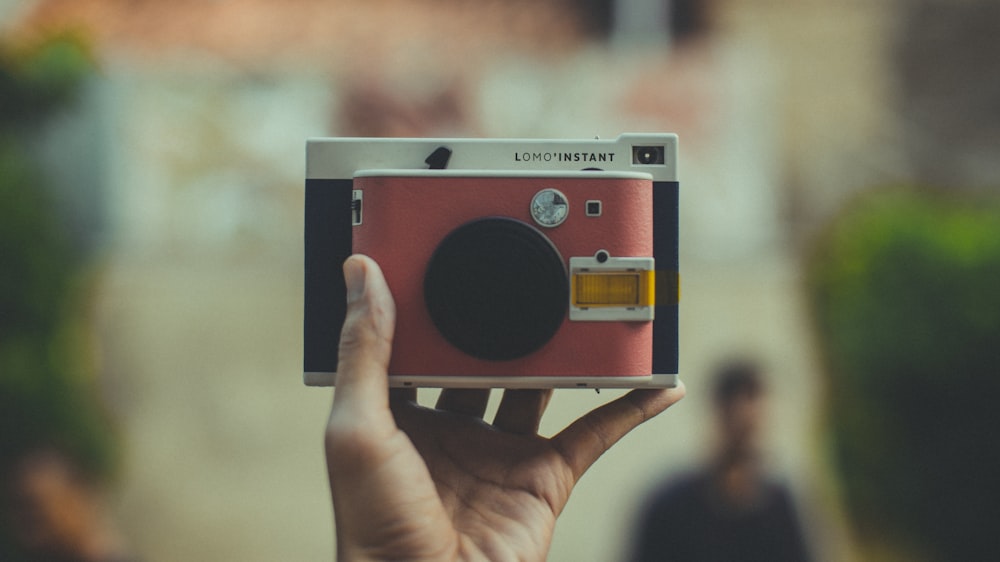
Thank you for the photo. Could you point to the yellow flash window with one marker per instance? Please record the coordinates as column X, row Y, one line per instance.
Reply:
column 614, row 288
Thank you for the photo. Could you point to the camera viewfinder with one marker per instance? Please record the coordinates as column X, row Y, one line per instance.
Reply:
column 648, row 155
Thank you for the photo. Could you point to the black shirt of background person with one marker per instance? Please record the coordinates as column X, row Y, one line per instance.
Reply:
column 691, row 520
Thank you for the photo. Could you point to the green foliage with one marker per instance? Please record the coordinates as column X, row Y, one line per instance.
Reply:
column 39, row 77
column 905, row 293
column 36, row 260
column 47, row 391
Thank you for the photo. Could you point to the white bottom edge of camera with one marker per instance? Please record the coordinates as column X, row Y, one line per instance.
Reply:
column 651, row 381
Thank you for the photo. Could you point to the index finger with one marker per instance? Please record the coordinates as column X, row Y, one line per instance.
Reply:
column 586, row 439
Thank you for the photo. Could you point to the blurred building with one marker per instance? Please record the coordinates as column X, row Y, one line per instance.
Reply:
column 781, row 110
column 949, row 86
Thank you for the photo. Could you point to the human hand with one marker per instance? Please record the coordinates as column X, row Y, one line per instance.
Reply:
column 415, row 483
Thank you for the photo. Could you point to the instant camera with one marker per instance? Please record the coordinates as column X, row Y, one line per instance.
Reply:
column 514, row 263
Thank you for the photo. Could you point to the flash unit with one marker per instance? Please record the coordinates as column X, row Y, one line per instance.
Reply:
column 613, row 288
column 604, row 288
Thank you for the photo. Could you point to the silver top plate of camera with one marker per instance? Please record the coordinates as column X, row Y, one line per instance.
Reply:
column 339, row 158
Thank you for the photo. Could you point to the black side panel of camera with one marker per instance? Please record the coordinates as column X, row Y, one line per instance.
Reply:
column 327, row 245
column 665, row 251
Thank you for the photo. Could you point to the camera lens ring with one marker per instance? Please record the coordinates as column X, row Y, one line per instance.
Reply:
column 497, row 289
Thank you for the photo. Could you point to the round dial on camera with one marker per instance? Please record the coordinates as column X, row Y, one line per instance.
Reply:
column 549, row 207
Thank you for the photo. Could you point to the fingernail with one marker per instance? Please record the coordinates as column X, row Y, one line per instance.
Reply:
column 354, row 276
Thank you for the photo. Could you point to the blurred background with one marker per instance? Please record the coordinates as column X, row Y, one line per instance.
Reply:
column 839, row 226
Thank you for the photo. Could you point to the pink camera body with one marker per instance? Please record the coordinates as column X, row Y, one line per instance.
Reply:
column 406, row 216
column 514, row 263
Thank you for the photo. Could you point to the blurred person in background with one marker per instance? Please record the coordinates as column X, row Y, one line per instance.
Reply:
column 730, row 509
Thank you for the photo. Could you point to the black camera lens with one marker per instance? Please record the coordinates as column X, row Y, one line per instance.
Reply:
column 497, row 289
column 647, row 155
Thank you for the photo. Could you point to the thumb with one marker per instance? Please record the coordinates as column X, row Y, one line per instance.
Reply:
column 366, row 338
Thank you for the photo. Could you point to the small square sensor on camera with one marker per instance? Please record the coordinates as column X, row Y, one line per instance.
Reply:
column 594, row 208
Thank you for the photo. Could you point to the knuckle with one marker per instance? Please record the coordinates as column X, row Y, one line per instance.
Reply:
column 366, row 327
